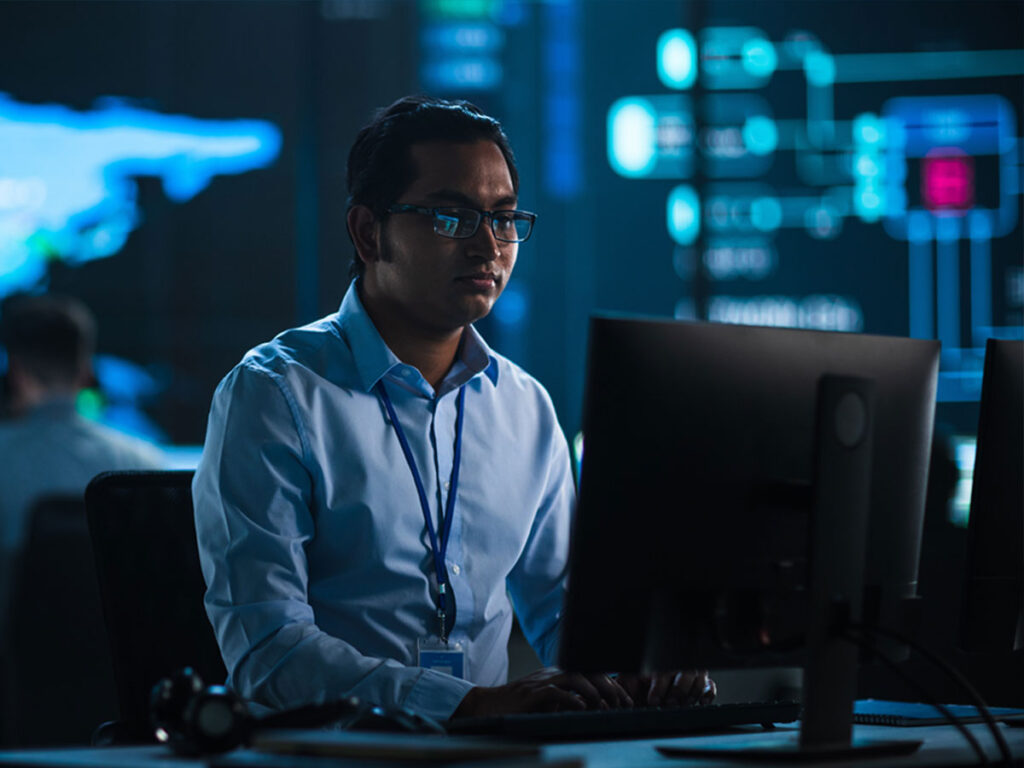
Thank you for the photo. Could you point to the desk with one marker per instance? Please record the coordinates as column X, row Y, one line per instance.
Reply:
column 943, row 746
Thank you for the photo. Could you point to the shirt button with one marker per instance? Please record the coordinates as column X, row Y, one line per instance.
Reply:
column 447, row 485
column 456, row 570
column 406, row 373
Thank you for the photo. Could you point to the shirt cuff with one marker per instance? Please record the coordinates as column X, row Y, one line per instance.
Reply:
column 436, row 694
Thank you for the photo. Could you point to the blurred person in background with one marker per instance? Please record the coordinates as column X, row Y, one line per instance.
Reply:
column 46, row 447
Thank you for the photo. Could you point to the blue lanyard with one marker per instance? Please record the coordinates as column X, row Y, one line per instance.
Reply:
column 440, row 569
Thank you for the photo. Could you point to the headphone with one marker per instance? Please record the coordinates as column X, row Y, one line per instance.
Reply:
column 195, row 719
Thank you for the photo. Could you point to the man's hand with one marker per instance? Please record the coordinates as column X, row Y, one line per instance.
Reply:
column 547, row 690
column 551, row 690
column 683, row 688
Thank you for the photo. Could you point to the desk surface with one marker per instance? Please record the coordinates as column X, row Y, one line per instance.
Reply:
column 943, row 746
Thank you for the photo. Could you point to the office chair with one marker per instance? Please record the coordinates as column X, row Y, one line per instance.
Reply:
column 152, row 588
column 58, row 681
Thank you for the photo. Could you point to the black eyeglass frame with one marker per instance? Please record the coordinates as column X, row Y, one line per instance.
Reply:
column 436, row 213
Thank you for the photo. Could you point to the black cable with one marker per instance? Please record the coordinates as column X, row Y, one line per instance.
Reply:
column 924, row 693
column 952, row 672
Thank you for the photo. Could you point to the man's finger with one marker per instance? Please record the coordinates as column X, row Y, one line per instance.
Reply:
column 709, row 693
column 580, row 685
column 636, row 686
column 551, row 698
column 683, row 688
column 689, row 686
column 678, row 686
column 660, row 686
column 611, row 691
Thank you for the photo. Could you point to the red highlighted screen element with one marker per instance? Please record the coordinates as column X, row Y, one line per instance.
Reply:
column 947, row 181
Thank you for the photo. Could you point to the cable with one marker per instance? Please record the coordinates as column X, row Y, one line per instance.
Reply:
column 925, row 695
column 955, row 674
column 971, row 691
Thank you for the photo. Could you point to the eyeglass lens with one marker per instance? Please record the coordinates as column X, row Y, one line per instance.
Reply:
column 463, row 222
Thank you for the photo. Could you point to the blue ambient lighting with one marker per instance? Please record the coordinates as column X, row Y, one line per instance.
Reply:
column 677, row 59
column 760, row 135
column 513, row 306
column 683, row 214
column 562, row 114
column 632, row 139
column 759, row 57
column 820, row 68
column 866, row 165
column 868, row 204
column 67, row 178
column 868, row 128
column 463, row 38
column 467, row 73
column 766, row 213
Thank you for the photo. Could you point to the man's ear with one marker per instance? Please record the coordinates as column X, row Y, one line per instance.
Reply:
column 364, row 227
column 16, row 374
column 86, row 375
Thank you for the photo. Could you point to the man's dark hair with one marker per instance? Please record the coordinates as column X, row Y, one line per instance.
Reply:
column 380, row 165
column 52, row 337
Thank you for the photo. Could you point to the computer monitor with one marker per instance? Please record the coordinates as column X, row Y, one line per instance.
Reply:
column 691, row 544
column 992, row 617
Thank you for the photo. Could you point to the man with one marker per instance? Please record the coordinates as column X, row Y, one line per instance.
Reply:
column 376, row 487
column 47, row 448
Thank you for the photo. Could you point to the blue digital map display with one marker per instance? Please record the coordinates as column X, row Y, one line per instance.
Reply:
column 67, row 178
column 68, row 193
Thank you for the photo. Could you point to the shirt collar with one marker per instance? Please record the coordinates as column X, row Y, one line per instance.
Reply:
column 374, row 359
column 57, row 407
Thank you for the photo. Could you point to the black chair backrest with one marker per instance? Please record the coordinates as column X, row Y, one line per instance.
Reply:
column 58, row 683
column 147, row 561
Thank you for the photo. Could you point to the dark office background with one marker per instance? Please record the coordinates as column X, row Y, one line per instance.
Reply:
column 198, row 281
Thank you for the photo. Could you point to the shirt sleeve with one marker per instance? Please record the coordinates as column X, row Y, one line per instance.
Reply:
column 252, row 493
column 537, row 582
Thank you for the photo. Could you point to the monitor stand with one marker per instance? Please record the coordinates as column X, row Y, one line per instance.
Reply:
column 839, row 522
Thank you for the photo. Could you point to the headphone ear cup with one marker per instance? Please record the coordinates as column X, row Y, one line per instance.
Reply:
column 216, row 720
column 167, row 703
column 193, row 719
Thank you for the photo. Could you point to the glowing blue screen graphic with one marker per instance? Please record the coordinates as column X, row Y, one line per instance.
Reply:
column 937, row 173
column 67, row 178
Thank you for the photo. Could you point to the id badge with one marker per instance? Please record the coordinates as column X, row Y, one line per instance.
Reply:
column 450, row 659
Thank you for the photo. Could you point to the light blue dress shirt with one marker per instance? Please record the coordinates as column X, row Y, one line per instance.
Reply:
column 52, row 450
column 311, row 534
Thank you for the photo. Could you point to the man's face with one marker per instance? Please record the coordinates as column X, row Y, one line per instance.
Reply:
column 439, row 283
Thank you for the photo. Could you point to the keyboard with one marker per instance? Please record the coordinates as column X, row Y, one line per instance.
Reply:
column 642, row 722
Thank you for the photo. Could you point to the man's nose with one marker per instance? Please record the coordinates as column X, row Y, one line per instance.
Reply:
column 483, row 243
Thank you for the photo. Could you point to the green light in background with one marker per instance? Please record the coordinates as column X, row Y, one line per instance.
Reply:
column 461, row 9
column 677, row 59
column 89, row 404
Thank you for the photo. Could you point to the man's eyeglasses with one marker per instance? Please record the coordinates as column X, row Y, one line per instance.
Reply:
column 508, row 226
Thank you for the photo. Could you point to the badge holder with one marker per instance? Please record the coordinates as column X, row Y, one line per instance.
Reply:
column 448, row 658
